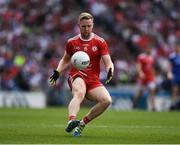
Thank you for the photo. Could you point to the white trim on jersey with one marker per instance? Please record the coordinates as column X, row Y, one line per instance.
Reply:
column 98, row 37
column 92, row 35
column 73, row 38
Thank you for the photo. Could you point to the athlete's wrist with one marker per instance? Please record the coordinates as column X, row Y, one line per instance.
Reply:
column 57, row 71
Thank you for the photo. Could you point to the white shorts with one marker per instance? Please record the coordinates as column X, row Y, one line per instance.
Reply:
column 149, row 86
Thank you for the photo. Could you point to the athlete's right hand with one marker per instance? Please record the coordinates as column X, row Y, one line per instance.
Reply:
column 54, row 77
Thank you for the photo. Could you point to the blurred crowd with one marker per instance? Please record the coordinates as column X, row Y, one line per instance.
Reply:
column 33, row 34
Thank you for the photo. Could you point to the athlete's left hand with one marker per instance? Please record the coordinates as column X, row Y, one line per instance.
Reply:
column 109, row 76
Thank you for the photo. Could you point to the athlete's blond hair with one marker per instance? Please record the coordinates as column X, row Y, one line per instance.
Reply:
column 85, row 15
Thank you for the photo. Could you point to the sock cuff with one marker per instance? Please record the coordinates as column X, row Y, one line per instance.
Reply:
column 71, row 117
column 86, row 120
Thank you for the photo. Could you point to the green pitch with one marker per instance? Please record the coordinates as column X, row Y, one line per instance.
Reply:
column 33, row 126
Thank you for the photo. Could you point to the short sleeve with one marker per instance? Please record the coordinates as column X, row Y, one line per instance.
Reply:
column 68, row 48
column 139, row 59
column 104, row 48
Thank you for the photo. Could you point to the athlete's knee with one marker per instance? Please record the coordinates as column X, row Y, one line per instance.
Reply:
column 109, row 101
column 79, row 93
column 106, row 101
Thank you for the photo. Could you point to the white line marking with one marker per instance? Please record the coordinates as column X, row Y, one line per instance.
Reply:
column 93, row 126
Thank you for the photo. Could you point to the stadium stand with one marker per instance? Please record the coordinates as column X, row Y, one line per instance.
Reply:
column 33, row 33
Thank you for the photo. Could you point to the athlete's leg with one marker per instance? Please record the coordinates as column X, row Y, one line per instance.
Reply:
column 152, row 93
column 137, row 96
column 78, row 92
column 103, row 99
column 174, row 93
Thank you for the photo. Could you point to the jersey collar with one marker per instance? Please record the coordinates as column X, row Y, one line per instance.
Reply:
column 92, row 35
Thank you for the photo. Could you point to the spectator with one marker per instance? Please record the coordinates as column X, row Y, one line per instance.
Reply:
column 173, row 74
column 38, row 30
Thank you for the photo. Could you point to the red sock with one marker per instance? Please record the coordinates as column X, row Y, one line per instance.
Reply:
column 71, row 117
column 86, row 120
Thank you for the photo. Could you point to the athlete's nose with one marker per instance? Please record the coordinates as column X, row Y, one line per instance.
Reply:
column 86, row 28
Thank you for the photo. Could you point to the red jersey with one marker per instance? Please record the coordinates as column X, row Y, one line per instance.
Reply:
column 95, row 47
column 147, row 64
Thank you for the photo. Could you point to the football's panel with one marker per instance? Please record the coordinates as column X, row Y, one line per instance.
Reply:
column 80, row 60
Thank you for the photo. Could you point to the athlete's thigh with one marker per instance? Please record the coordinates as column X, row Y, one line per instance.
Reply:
column 98, row 94
column 78, row 85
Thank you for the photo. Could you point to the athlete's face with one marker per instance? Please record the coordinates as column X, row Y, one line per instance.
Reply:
column 86, row 26
column 148, row 50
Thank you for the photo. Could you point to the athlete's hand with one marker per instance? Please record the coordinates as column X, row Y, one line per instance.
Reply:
column 54, row 77
column 109, row 76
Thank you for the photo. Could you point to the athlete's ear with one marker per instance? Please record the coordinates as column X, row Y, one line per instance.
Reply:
column 92, row 24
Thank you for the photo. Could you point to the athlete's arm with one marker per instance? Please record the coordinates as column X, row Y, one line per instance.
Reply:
column 139, row 70
column 64, row 62
column 108, row 62
column 109, row 67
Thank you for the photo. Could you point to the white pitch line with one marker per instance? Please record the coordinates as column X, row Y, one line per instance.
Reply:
column 94, row 126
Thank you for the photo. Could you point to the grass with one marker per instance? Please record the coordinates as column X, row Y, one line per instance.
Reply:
column 47, row 126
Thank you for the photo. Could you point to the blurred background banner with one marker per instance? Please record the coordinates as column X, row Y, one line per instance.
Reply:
column 22, row 99
column 33, row 34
